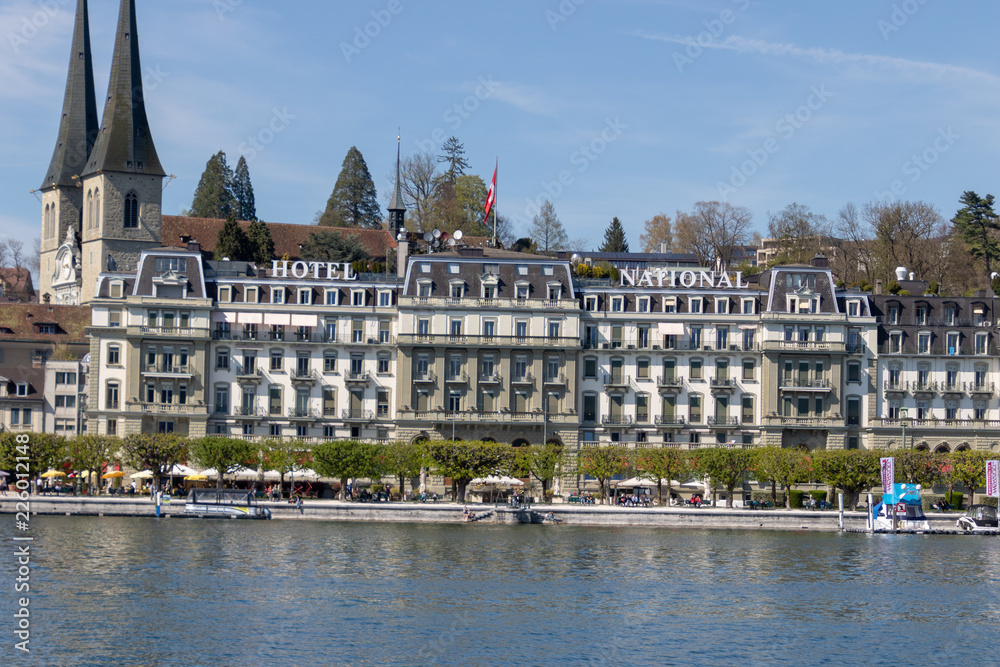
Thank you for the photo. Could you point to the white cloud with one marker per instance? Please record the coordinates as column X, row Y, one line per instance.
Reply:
column 823, row 56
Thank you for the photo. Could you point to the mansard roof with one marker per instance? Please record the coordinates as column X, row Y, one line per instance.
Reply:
column 125, row 143
column 79, row 125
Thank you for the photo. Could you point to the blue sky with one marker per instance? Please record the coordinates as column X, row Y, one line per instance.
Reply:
column 609, row 108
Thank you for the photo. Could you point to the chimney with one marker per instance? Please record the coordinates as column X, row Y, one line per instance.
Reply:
column 820, row 261
column 912, row 275
column 900, row 273
column 878, row 286
column 663, row 247
column 46, row 298
column 192, row 244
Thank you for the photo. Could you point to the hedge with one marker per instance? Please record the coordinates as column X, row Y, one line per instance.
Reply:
column 796, row 497
column 954, row 499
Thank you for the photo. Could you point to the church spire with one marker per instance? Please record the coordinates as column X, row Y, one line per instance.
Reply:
column 79, row 124
column 125, row 143
column 397, row 210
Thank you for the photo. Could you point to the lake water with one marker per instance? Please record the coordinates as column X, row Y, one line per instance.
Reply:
column 197, row 592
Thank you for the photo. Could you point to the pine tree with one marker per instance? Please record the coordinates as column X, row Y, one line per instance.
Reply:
column 354, row 202
column 546, row 230
column 614, row 238
column 978, row 224
column 261, row 243
column 454, row 156
column 214, row 196
column 233, row 242
column 242, row 189
column 331, row 246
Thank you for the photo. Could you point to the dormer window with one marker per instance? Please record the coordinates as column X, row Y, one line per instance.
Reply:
column 456, row 289
column 522, row 269
column 46, row 328
column 357, row 297
column 424, row 288
column 521, row 290
column 853, row 308
column 949, row 315
column 893, row 315
column 590, row 304
column 642, row 304
column 554, row 291
column 250, row 295
column 305, row 296
column 695, row 304
column 117, row 288
column 225, row 294
column 922, row 314
column 22, row 388
column 722, row 306
column 277, row 295
column 548, row 270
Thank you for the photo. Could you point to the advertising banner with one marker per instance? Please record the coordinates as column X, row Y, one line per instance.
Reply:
column 888, row 473
column 992, row 480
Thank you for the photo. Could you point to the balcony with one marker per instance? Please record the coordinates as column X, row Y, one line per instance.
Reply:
column 811, row 346
column 173, row 408
column 491, row 378
column 937, row 424
column 980, row 388
column 491, row 417
column 669, row 383
column 491, row 304
column 500, row 342
column 248, row 412
column 555, row 380
column 177, row 333
column 303, row 414
column 723, row 384
column 290, row 336
column 358, row 378
column 357, row 415
column 425, row 378
column 894, row 387
column 805, row 384
column 722, row 421
column 669, row 421
column 303, row 375
column 617, row 420
column 616, row 382
column 457, row 378
column 527, row 379
column 804, row 422
column 255, row 374
column 168, row 371
column 938, row 350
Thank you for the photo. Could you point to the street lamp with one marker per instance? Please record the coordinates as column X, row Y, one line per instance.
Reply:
column 902, row 422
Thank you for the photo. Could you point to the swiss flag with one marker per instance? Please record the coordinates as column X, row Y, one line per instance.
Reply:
column 491, row 196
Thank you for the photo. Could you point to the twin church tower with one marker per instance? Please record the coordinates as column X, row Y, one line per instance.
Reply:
column 102, row 194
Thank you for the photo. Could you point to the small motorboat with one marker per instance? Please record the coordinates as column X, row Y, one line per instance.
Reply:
column 224, row 504
column 900, row 509
column 978, row 518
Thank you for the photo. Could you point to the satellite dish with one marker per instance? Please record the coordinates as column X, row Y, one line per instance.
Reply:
column 428, row 237
column 452, row 242
column 458, row 235
column 437, row 233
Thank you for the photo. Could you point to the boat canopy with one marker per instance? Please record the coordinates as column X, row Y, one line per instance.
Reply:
column 220, row 496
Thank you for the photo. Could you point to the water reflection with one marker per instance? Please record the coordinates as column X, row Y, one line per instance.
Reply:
column 181, row 592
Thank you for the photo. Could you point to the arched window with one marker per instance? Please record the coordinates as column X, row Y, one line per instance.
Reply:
column 46, row 221
column 90, row 209
column 131, row 211
column 97, row 209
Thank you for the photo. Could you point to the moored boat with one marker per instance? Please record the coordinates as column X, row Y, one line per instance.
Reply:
column 901, row 508
column 224, row 504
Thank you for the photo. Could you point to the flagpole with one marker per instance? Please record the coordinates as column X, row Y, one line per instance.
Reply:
column 496, row 171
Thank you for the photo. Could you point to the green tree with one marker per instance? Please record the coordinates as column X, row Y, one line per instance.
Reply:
column 233, row 242
column 454, row 157
column 849, row 470
column 723, row 466
column 91, row 453
column 346, row 459
column 541, row 461
column 284, row 457
column 214, row 196
column 978, row 225
column 779, row 465
column 43, row 451
column 158, row 452
column 614, row 238
column 331, row 246
column 464, row 461
column 920, row 467
column 226, row 455
column 242, row 189
column 546, row 231
column 663, row 464
column 354, row 202
column 604, row 463
column 261, row 243
column 403, row 460
column 470, row 194
column 969, row 470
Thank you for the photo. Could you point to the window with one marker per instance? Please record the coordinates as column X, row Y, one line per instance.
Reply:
column 951, row 410
column 895, row 342
column 382, row 403
column 331, row 297
column 642, row 304
column 456, row 327
column 225, row 294
column 548, row 270
column 65, row 401
column 748, row 335
column 854, row 372
column 357, row 297
column 853, row 308
column 554, row 329
column 696, row 338
column 749, row 371
column 747, row 413
column 642, row 408
column 522, row 269
column 305, row 296
column 423, row 288
column 357, row 365
column 455, row 400
column 694, row 408
column 331, row 330
column 521, row 290
column 423, row 327
column 277, row 295
column 455, row 367
column 617, row 304
column 670, row 305
column 487, row 367
column 425, row 267
column 329, row 361
column 131, row 211
column 922, row 315
column 384, row 298
column 357, row 331
column 923, row 343
column 274, row 400
column 456, row 289
column 590, row 407
column 22, row 388
column 979, row 411
column 276, row 360
column 111, row 396
column 114, row 317
column 521, row 328
column 721, row 338
column 669, row 370
column 222, row 399
column 893, row 315
column 982, row 343
column 949, row 315
column 329, row 402
column 383, row 364
column 520, row 367
column 554, row 292
column 590, row 304
column 453, row 268
column 695, row 304
column 250, row 295
column 112, row 426
column 552, row 368
column 114, row 355
column 590, row 367
column 722, row 306
column 696, row 369
column 617, row 335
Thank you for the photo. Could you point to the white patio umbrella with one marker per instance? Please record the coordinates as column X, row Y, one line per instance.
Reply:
column 635, row 482
column 304, row 474
column 145, row 474
column 181, row 470
column 246, row 473
column 210, row 472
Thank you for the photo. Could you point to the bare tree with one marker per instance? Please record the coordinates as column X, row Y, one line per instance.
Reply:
column 419, row 185
column 688, row 238
column 657, row 231
column 546, row 230
column 904, row 235
column 799, row 233
column 713, row 231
